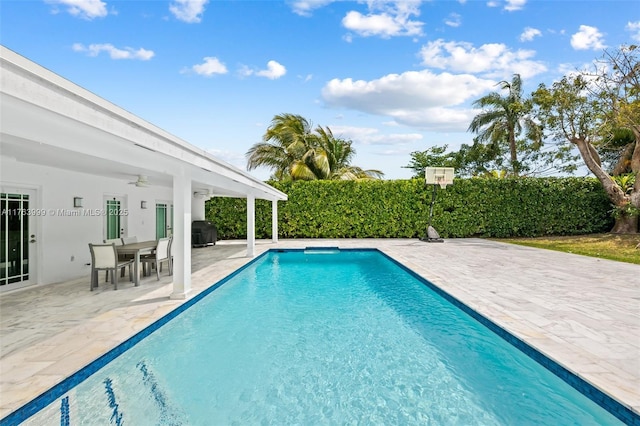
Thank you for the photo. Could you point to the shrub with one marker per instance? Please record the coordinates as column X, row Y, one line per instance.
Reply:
column 518, row 207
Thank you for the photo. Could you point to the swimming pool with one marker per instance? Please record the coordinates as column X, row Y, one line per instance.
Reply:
column 319, row 337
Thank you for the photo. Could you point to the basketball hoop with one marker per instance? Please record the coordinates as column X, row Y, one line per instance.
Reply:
column 441, row 176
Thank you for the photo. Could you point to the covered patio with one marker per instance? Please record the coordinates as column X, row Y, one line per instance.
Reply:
column 77, row 169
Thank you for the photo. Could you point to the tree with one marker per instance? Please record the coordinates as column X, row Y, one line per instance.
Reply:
column 335, row 156
column 586, row 111
column 616, row 82
column 480, row 160
column 503, row 119
column 283, row 147
column 294, row 152
column 435, row 156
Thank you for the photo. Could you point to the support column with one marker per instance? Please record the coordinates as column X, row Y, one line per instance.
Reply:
column 251, row 225
column 197, row 207
column 274, row 221
column 181, row 245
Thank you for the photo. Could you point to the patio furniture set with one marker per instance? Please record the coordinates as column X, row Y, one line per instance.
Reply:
column 119, row 253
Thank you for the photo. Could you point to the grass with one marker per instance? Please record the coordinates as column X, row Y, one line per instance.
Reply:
column 620, row 247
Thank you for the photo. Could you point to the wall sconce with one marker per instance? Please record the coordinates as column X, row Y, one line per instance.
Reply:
column 143, row 204
column 77, row 201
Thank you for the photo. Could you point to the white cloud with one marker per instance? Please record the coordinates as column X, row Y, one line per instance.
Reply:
column 305, row 7
column 454, row 20
column 385, row 19
column 491, row 60
column 530, row 33
column 372, row 136
column 86, row 9
column 274, row 71
column 634, row 29
column 513, row 5
column 114, row 52
column 587, row 38
column 210, row 67
column 416, row 98
column 189, row 11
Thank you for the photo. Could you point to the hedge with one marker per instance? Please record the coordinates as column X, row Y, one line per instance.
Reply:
column 518, row 207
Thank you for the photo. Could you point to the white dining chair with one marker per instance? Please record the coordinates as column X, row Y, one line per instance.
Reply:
column 104, row 257
column 160, row 254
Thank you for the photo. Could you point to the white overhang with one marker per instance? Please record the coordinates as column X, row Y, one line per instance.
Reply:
column 48, row 120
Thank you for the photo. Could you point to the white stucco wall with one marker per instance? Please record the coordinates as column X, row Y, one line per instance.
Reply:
column 62, row 240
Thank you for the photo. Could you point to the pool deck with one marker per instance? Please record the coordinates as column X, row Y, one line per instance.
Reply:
column 582, row 312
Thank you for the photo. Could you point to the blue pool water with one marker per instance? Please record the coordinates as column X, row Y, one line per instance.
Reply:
column 331, row 337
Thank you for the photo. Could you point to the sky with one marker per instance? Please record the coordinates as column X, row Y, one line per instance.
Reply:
column 391, row 76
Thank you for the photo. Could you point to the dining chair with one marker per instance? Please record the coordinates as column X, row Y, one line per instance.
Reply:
column 171, row 256
column 104, row 257
column 159, row 255
column 122, row 257
column 129, row 240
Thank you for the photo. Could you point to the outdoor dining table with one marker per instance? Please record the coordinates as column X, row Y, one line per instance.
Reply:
column 136, row 249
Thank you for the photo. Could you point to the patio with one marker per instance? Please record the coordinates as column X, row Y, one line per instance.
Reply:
column 581, row 312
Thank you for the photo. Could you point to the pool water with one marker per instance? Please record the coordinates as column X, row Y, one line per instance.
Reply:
column 333, row 337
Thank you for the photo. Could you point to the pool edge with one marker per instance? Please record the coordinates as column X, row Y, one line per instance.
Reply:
column 619, row 410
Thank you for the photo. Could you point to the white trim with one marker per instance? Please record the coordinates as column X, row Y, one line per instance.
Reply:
column 274, row 221
column 251, row 225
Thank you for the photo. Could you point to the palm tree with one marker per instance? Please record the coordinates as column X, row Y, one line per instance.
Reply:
column 335, row 157
column 504, row 118
column 284, row 145
column 293, row 151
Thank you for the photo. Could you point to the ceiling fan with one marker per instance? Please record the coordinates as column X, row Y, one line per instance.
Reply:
column 142, row 182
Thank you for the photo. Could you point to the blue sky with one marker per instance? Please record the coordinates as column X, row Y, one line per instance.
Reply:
column 392, row 76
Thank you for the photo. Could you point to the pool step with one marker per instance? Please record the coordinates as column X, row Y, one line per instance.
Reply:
column 322, row 250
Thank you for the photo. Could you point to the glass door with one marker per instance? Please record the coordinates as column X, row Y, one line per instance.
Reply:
column 164, row 215
column 115, row 218
column 17, row 238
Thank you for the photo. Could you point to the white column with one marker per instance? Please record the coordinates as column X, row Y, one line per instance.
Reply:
column 197, row 207
column 274, row 221
column 251, row 225
column 181, row 249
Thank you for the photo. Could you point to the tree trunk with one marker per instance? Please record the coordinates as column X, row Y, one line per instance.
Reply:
column 514, row 152
column 625, row 225
column 635, row 157
column 624, row 162
column 615, row 193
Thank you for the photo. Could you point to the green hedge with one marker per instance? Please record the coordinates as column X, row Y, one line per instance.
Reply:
column 522, row 207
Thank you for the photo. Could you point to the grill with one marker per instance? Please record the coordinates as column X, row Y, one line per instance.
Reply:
column 203, row 233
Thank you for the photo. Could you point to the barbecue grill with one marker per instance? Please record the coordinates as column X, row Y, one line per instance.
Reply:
column 203, row 233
